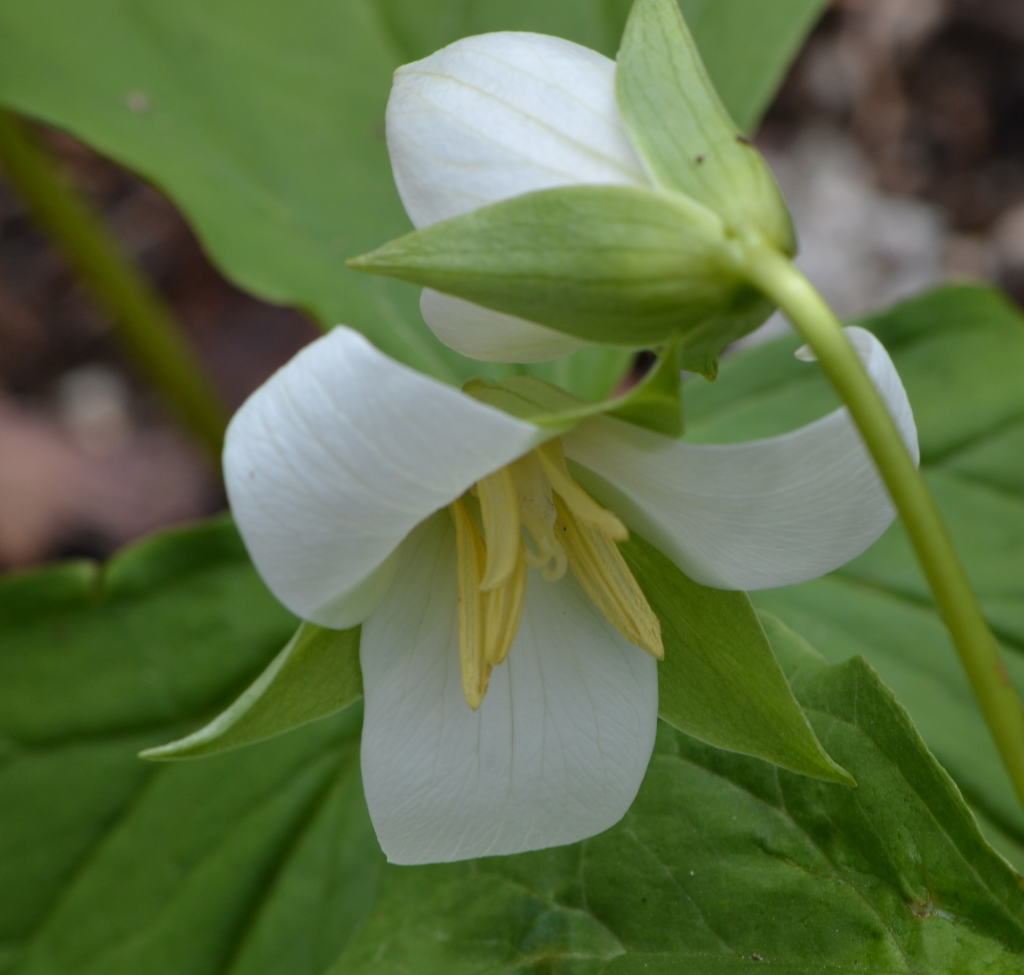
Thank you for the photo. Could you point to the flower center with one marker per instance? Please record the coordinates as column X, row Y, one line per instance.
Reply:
column 567, row 528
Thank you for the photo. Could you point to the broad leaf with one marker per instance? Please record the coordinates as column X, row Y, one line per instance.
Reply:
column 263, row 121
column 316, row 674
column 960, row 353
column 719, row 680
column 95, row 665
column 263, row 861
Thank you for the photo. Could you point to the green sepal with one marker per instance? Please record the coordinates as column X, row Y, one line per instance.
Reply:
column 316, row 674
column 613, row 265
column 684, row 133
column 720, row 681
column 708, row 340
column 655, row 403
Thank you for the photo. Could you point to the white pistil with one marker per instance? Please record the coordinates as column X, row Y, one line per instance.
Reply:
column 569, row 529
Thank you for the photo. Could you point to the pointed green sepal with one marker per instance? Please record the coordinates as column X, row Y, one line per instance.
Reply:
column 707, row 341
column 720, row 681
column 315, row 675
column 613, row 265
column 655, row 402
column 685, row 135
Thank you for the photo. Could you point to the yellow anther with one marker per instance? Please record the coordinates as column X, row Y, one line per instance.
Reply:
column 472, row 605
column 581, row 504
column 504, row 611
column 602, row 571
column 499, row 511
column 569, row 529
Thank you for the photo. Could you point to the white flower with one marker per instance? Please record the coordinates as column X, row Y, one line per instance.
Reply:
column 491, row 117
column 354, row 481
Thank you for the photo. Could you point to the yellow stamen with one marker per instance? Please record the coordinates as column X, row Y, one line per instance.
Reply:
column 504, row 611
column 581, row 504
column 569, row 529
column 469, row 545
column 537, row 513
column 499, row 511
column 602, row 571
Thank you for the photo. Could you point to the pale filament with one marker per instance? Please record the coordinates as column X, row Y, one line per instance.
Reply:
column 567, row 528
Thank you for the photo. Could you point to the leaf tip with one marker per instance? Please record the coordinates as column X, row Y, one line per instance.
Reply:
column 839, row 775
column 361, row 262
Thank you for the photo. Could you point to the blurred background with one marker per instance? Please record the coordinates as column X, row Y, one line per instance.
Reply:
column 898, row 140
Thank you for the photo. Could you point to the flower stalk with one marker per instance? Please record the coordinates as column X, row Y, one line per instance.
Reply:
column 141, row 322
column 817, row 324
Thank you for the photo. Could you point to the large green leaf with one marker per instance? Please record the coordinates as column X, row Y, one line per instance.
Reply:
column 263, row 861
column 960, row 353
column 96, row 665
column 263, row 120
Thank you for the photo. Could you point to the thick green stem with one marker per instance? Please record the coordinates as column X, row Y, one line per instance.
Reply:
column 143, row 325
column 784, row 284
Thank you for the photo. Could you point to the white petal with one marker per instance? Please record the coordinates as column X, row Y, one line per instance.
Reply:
column 752, row 515
column 338, row 456
column 492, row 336
column 496, row 115
column 555, row 753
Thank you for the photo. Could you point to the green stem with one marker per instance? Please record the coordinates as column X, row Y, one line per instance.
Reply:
column 812, row 317
column 141, row 321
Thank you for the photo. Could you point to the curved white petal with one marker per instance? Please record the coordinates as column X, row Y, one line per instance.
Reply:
column 555, row 753
column 496, row 115
column 334, row 460
column 492, row 336
column 751, row 515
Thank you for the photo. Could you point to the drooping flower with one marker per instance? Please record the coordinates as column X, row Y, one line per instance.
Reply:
column 508, row 655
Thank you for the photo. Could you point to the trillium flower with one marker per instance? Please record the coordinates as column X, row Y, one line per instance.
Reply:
column 508, row 654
